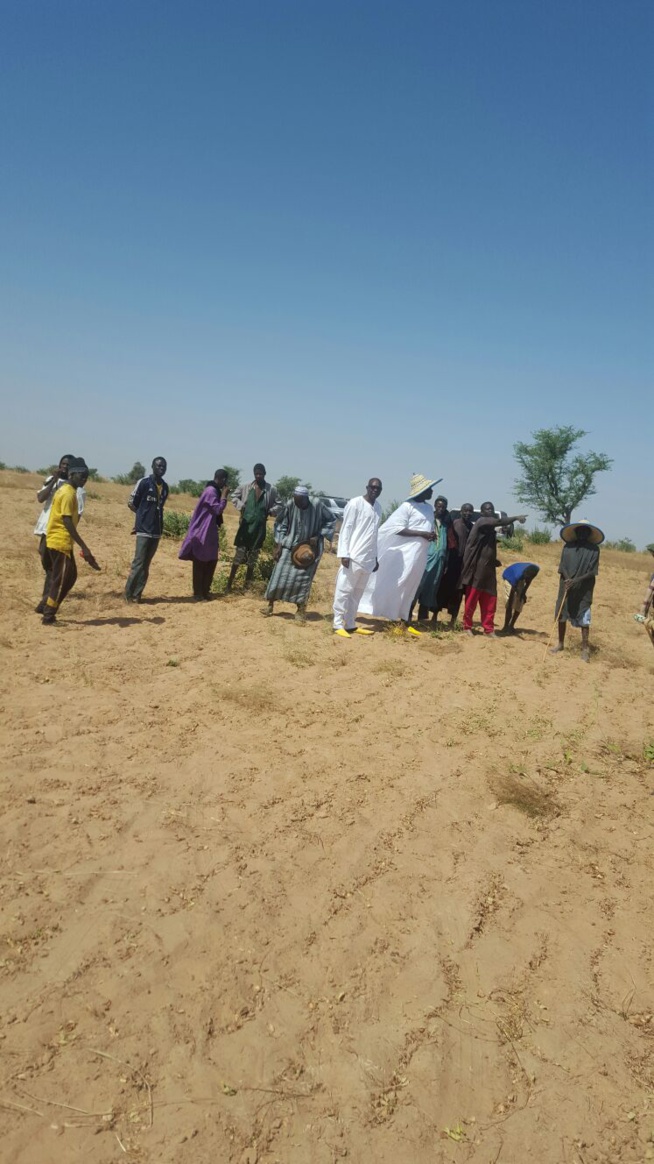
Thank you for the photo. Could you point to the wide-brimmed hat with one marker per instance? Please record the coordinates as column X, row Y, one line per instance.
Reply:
column 420, row 484
column 303, row 556
column 595, row 535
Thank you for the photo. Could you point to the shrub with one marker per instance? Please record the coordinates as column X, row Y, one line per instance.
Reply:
column 136, row 472
column 266, row 561
column 624, row 544
column 190, row 486
column 2, row 465
column 175, row 525
column 539, row 537
column 515, row 542
column 20, row 469
column 390, row 508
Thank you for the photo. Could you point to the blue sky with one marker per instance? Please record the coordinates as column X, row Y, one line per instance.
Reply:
column 344, row 238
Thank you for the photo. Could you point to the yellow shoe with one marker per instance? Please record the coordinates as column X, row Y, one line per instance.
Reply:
column 411, row 630
column 342, row 633
column 360, row 630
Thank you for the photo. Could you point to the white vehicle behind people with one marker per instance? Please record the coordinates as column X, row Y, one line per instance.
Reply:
column 335, row 505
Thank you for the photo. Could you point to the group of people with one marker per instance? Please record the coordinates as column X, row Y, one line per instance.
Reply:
column 419, row 557
column 422, row 557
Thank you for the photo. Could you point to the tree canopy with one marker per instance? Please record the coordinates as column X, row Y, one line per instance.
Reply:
column 136, row 472
column 553, row 481
column 285, row 487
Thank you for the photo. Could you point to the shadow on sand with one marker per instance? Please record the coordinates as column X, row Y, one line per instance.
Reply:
column 118, row 621
column 312, row 616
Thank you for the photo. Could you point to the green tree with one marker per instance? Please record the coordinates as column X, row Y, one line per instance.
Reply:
column 233, row 477
column 553, row 481
column 188, row 485
column 285, row 487
column 136, row 472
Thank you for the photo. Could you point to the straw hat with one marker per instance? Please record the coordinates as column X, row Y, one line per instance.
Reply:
column 420, row 484
column 595, row 537
column 303, row 556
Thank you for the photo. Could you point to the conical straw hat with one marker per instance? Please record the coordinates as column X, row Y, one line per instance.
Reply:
column 568, row 532
column 420, row 484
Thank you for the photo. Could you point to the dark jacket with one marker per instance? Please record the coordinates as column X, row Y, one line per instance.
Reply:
column 148, row 505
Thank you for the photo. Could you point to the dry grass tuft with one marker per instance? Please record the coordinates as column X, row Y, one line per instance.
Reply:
column 395, row 668
column 524, row 794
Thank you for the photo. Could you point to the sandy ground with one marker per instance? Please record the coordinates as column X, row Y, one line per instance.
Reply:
column 268, row 895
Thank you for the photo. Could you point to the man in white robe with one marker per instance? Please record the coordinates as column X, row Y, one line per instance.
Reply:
column 357, row 549
column 402, row 548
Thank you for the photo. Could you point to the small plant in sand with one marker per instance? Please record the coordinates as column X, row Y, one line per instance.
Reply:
column 524, row 794
column 516, row 542
column 175, row 524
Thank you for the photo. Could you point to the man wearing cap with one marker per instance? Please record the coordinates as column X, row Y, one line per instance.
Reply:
column 300, row 532
column 357, row 548
column 255, row 502
column 147, row 502
column 61, row 535
column 478, row 574
column 579, row 567
column 46, row 496
column 402, row 549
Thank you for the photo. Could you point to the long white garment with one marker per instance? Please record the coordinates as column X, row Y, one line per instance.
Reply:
column 390, row 592
column 350, row 585
column 357, row 537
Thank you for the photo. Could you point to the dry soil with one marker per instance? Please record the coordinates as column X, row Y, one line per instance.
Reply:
column 269, row 895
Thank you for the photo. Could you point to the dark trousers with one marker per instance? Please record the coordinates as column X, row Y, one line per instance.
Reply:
column 62, row 575
column 203, row 573
column 44, row 555
column 145, row 550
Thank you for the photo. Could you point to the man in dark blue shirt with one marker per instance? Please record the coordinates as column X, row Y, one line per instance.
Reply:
column 147, row 502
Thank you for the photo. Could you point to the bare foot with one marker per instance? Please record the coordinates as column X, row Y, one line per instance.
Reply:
column 585, row 654
column 556, row 650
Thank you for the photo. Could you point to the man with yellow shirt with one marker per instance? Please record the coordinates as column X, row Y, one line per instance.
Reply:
column 60, row 537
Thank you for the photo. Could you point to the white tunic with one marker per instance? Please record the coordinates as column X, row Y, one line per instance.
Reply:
column 392, row 589
column 44, row 516
column 357, row 537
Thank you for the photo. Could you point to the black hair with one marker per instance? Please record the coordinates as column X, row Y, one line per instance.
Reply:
column 159, row 459
column 259, row 466
column 441, row 498
column 223, row 473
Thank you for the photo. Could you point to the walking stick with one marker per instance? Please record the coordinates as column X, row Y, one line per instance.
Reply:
column 556, row 623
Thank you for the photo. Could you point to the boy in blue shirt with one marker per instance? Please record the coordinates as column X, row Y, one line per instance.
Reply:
column 519, row 577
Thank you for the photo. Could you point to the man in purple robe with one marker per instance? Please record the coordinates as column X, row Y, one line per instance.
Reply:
column 200, row 546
